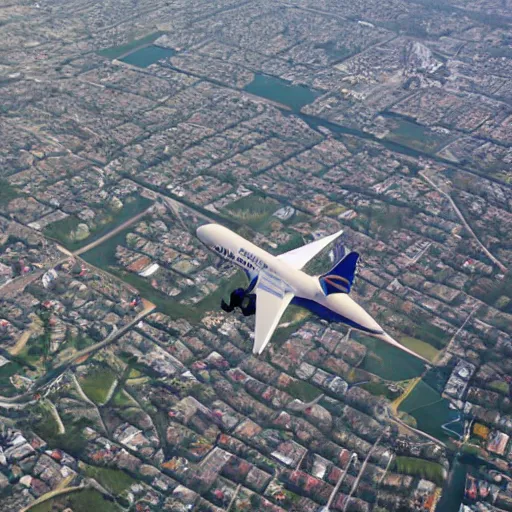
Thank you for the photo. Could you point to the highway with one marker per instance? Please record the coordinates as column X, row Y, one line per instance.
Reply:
column 361, row 471
column 24, row 399
column 488, row 253
column 339, row 482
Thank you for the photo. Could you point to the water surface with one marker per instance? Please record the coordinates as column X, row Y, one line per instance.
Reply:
column 115, row 52
column 144, row 57
column 281, row 91
column 431, row 411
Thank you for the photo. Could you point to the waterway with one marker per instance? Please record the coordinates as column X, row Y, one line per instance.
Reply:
column 453, row 491
column 144, row 57
column 409, row 138
column 114, row 52
column 104, row 255
column 281, row 91
column 316, row 122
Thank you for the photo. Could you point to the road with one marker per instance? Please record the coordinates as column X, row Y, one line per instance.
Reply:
column 452, row 339
column 19, row 283
column 52, row 494
column 410, row 388
column 396, row 403
column 112, row 337
column 361, row 471
column 114, row 232
column 20, row 401
column 339, row 482
column 299, row 407
column 495, row 260
column 399, row 422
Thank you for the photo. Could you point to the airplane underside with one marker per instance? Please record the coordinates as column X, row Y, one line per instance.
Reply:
column 329, row 315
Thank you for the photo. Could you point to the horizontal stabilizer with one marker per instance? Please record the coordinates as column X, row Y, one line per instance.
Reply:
column 341, row 277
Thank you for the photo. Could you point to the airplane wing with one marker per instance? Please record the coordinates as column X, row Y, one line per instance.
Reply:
column 297, row 258
column 271, row 303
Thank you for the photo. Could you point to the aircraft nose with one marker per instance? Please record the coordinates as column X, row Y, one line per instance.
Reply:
column 204, row 233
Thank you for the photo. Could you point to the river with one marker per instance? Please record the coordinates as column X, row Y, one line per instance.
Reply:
column 425, row 404
column 453, row 490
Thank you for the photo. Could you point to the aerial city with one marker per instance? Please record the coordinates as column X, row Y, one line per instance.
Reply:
column 255, row 255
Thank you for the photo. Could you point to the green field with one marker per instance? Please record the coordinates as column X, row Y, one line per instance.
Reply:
column 7, row 192
column 98, row 383
column 6, row 371
column 294, row 242
column 212, row 301
column 418, row 467
column 303, row 390
column 377, row 361
column 62, row 229
column 378, row 389
column 429, row 409
column 122, row 399
column 253, row 210
column 73, row 441
column 115, row 481
column 420, row 347
column 106, row 221
column 80, row 501
column 422, row 396
column 431, row 334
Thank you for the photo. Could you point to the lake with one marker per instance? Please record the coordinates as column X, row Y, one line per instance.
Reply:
column 115, row 52
column 431, row 411
column 144, row 57
column 409, row 133
column 281, row 91
column 316, row 122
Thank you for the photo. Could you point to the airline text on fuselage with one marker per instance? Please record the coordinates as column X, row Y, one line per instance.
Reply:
column 244, row 258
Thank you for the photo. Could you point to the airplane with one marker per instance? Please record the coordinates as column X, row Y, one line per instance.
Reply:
column 278, row 281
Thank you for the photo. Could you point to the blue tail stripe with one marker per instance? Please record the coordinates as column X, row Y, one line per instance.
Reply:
column 340, row 278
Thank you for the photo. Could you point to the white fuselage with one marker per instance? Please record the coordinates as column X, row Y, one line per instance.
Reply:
column 253, row 259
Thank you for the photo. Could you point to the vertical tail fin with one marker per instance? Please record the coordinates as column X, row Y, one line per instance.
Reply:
column 341, row 277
